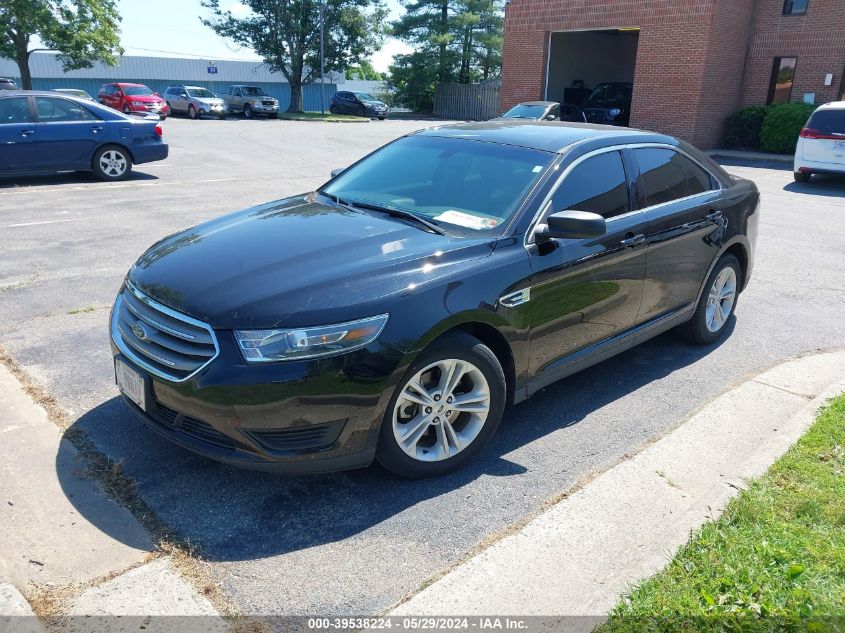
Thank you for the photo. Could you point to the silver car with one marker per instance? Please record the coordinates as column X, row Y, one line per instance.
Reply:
column 194, row 101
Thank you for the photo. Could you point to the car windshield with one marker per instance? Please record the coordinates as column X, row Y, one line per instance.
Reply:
column 610, row 92
column 202, row 93
column 73, row 93
column 364, row 96
column 252, row 91
column 828, row 121
column 524, row 111
column 137, row 91
column 469, row 185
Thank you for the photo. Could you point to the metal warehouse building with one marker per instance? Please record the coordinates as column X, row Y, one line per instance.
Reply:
column 160, row 72
column 691, row 62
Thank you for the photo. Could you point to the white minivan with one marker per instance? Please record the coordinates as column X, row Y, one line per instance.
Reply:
column 821, row 144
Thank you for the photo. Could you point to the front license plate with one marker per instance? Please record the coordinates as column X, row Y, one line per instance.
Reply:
column 838, row 144
column 130, row 383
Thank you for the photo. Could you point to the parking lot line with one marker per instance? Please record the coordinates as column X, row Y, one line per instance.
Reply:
column 12, row 226
column 127, row 185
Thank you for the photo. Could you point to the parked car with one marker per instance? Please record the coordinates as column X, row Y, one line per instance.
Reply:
column 609, row 103
column 546, row 111
column 129, row 98
column 195, row 101
column 250, row 100
column 397, row 310
column 821, row 144
column 74, row 92
column 43, row 132
column 8, row 84
column 358, row 103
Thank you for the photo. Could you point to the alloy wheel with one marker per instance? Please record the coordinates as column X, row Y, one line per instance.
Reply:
column 721, row 299
column 113, row 163
column 441, row 410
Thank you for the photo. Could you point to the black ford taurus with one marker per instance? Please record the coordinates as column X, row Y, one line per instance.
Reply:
column 397, row 311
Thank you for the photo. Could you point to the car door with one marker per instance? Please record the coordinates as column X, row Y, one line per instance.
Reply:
column 684, row 207
column 67, row 133
column 17, row 135
column 584, row 291
column 347, row 103
column 110, row 97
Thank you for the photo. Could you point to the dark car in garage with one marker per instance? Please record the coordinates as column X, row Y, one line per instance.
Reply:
column 610, row 104
column 44, row 132
column 398, row 310
column 546, row 111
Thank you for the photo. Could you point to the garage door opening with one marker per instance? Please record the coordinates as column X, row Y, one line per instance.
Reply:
column 594, row 70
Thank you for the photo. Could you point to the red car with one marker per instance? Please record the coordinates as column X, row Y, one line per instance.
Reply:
column 132, row 98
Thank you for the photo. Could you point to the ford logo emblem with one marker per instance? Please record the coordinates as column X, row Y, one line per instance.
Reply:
column 139, row 331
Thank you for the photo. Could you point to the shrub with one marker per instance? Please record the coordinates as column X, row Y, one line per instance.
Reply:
column 743, row 128
column 781, row 126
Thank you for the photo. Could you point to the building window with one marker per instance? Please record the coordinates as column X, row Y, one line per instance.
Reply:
column 783, row 76
column 795, row 7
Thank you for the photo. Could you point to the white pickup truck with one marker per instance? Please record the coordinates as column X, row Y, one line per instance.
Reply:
column 250, row 100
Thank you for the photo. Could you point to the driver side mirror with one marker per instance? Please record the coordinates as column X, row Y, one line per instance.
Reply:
column 337, row 172
column 551, row 117
column 571, row 225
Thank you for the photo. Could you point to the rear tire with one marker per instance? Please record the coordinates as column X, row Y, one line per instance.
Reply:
column 111, row 163
column 444, row 410
column 802, row 176
column 716, row 305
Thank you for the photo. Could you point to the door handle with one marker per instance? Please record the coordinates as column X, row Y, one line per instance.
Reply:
column 632, row 240
column 26, row 132
column 714, row 216
column 96, row 128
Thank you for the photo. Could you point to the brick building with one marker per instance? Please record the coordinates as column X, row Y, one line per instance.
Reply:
column 692, row 62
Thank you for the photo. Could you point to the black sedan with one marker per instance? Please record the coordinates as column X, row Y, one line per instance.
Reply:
column 546, row 111
column 358, row 103
column 44, row 132
column 397, row 311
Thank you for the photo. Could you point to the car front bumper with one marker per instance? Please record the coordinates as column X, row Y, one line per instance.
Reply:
column 306, row 416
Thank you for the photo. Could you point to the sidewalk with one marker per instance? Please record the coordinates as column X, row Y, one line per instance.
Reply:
column 582, row 554
column 736, row 154
column 47, row 542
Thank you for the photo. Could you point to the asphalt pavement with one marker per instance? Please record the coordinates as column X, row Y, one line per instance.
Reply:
column 355, row 543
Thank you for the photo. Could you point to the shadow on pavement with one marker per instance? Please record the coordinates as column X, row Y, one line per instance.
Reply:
column 820, row 185
column 67, row 178
column 233, row 514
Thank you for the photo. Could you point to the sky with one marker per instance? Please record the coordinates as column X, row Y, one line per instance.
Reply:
column 171, row 28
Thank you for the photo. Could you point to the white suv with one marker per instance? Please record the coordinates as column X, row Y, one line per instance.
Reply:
column 821, row 144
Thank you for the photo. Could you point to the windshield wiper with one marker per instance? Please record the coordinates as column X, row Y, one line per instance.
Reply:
column 391, row 211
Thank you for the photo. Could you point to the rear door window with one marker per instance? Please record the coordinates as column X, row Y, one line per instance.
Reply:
column 598, row 185
column 666, row 175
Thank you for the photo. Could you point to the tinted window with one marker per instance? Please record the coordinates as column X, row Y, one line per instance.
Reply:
column 597, row 185
column 470, row 185
column 666, row 175
column 795, row 7
column 60, row 111
column 200, row 93
column 14, row 110
column 783, row 76
column 523, row 111
column 828, row 121
column 137, row 91
column 253, row 91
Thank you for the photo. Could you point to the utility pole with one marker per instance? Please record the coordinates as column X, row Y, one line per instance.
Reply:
column 322, row 58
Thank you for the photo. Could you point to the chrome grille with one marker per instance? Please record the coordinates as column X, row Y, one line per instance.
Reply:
column 159, row 339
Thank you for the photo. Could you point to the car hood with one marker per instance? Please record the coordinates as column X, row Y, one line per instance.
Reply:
column 210, row 100
column 297, row 262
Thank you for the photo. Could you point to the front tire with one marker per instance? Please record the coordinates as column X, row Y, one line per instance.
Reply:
column 333, row 109
column 802, row 176
column 111, row 163
column 444, row 410
column 361, row 112
column 717, row 303
column 192, row 113
column 248, row 113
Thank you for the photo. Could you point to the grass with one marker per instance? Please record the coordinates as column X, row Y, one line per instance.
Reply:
column 316, row 116
column 775, row 560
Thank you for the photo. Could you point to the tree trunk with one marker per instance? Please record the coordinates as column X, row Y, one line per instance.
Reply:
column 22, row 58
column 295, row 95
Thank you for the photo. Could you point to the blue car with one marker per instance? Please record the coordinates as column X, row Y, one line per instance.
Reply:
column 45, row 132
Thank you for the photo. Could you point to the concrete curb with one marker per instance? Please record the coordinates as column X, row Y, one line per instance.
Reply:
column 733, row 154
column 578, row 557
column 15, row 613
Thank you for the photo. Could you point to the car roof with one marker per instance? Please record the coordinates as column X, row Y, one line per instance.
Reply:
column 31, row 93
column 833, row 105
column 548, row 136
column 545, row 103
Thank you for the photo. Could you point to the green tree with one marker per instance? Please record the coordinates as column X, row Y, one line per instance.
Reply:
column 81, row 31
column 453, row 40
column 286, row 34
column 365, row 71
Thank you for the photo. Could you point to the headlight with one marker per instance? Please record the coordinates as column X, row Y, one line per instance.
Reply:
column 264, row 346
column 138, row 103
column 614, row 112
